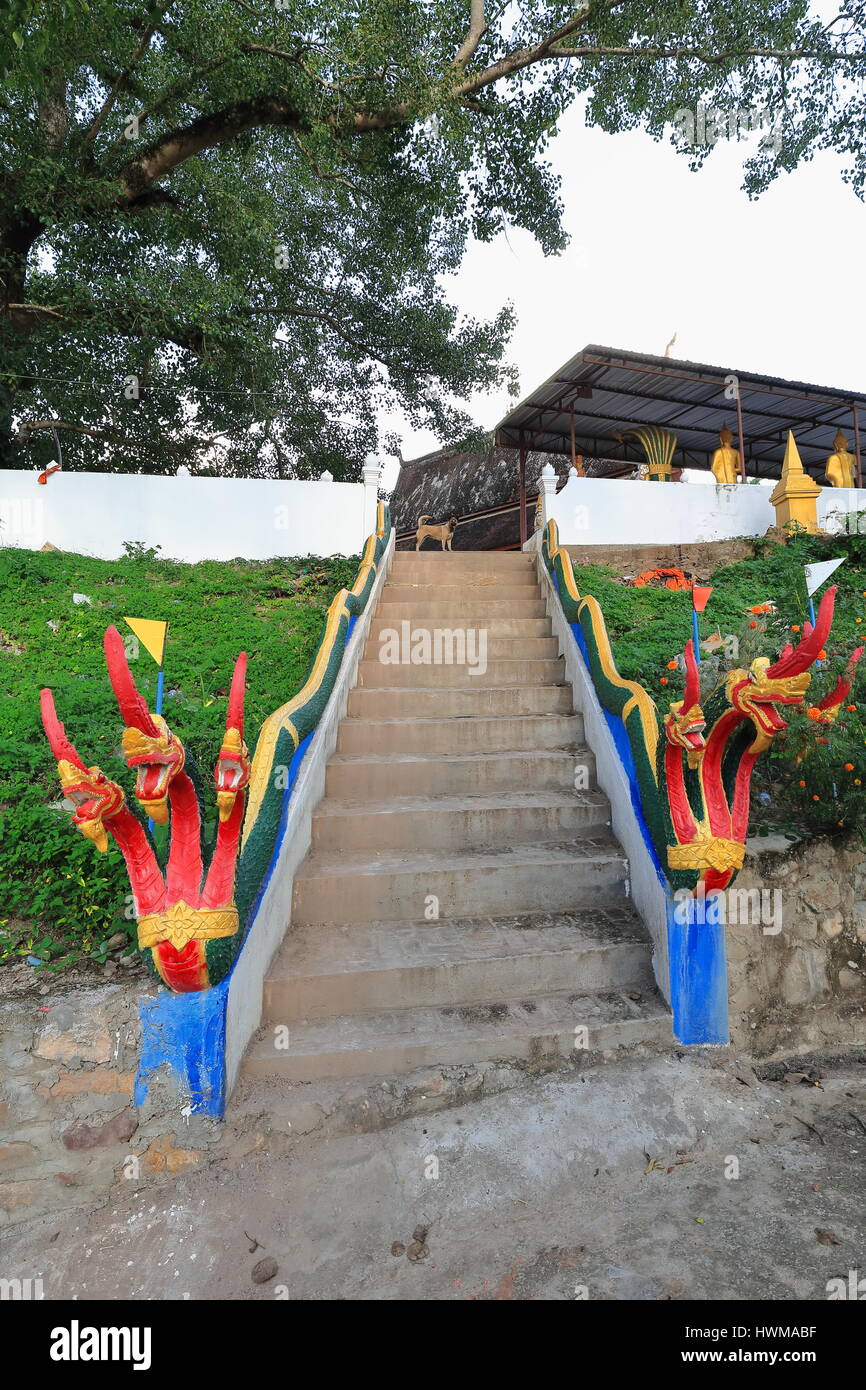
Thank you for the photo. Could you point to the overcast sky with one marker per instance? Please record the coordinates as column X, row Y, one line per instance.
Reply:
column 774, row 285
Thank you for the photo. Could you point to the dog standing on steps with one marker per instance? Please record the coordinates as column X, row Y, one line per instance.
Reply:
column 442, row 533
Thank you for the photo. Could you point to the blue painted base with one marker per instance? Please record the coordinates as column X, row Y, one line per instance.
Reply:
column 187, row 1034
column 698, row 971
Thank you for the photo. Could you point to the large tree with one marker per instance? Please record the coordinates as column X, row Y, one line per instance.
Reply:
column 224, row 224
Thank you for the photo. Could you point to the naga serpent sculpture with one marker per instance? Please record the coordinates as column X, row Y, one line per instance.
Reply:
column 192, row 924
column 693, row 766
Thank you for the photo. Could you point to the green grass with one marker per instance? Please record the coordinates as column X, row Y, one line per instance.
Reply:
column 59, row 898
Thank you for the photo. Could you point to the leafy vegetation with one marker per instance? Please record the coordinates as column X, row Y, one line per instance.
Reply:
column 61, row 900
column 226, row 226
column 812, row 780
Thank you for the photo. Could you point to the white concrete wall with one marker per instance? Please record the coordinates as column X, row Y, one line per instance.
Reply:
column 838, row 509
column 189, row 518
column 273, row 918
column 646, row 889
column 617, row 511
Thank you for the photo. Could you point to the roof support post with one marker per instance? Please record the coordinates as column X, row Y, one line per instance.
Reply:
column 523, row 531
column 742, row 442
column 856, row 412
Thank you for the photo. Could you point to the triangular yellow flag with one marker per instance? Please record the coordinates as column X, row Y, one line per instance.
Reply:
column 151, row 634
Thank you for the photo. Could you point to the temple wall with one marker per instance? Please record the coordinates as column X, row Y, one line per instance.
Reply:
column 189, row 518
column 616, row 511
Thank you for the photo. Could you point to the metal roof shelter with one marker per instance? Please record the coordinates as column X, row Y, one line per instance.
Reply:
column 603, row 391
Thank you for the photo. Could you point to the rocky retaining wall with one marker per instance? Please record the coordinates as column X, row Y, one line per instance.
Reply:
column 801, row 988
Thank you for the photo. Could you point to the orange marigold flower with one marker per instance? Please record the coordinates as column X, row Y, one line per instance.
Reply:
column 802, row 784
column 757, row 608
column 816, row 798
column 664, row 680
column 814, row 713
column 795, row 627
column 753, row 623
column 672, row 665
column 849, row 767
column 856, row 781
column 850, row 708
column 822, row 655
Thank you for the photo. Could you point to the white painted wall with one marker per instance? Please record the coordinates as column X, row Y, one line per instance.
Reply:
column 273, row 919
column 837, row 504
column 646, row 889
column 190, row 518
column 617, row 511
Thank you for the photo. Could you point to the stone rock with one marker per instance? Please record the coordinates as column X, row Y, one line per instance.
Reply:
column 417, row 1251
column 805, row 976
column 20, row 1194
column 832, row 925
column 13, row 1155
column 264, row 1270
column 84, row 1039
column 859, row 914
column 101, row 1082
column 850, row 979
column 821, row 892
column 117, row 1130
column 163, row 1156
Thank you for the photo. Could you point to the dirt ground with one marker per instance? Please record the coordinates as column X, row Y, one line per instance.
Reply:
column 675, row 1178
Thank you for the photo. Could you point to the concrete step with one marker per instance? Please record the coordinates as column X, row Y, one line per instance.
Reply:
column 550, row 671
column 495, row 627
column 337, row 887
column 400, row 639
column 360, row 736
column 480, row 591
column 459, row 822
column 488, row 702
column 474, row 774
column 424, row 571
column 381, row 965
column 464, row 559
column 537, row 1030
column 472, row 611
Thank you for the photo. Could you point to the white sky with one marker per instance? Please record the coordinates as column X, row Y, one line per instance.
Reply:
column 774, row 285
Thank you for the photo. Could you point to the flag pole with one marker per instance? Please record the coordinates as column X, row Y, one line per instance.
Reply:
column 160, row 686
column 695, row 634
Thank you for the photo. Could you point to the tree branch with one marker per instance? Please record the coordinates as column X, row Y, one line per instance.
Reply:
column 724, row 56
column 122, row 77
column 27, row 427
column 475, row 34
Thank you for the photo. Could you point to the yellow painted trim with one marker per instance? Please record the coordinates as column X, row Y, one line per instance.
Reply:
column 280, row 720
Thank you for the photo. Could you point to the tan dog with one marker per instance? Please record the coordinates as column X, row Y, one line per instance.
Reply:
column 443, row 533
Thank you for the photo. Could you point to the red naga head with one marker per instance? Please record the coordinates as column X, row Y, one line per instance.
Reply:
column 684, row 726
column 232, row 772
column 96, row 797
column 148, row 744
column 756, row 692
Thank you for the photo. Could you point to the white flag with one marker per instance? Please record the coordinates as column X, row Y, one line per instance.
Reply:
column 816, row 574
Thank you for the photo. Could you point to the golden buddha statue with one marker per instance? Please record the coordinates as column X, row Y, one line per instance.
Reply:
column 841, row 466
column 726, row 460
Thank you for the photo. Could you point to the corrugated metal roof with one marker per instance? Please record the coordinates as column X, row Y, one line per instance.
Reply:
column 612, row 389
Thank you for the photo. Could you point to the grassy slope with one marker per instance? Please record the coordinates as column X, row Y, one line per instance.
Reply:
column 52, row 882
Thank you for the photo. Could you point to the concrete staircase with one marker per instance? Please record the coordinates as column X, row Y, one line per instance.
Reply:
column 455, row 792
